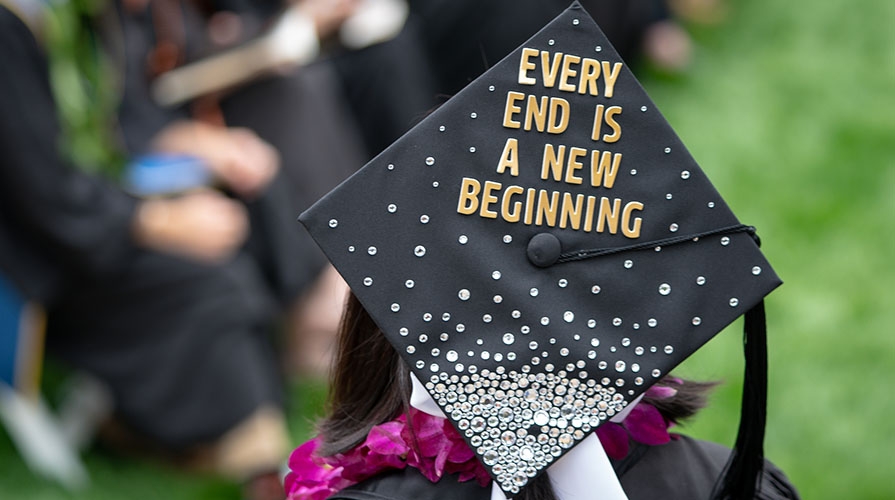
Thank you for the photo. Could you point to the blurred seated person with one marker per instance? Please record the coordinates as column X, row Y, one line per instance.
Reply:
column 168, row 300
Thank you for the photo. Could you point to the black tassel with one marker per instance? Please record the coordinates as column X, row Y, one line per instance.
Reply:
column 743, row 471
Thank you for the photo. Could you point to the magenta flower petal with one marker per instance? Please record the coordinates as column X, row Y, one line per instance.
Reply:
column 660, row 392
column 614, row 439
column 386, row 439
column 646, row 425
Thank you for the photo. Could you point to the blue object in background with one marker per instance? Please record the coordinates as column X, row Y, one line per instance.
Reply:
column 12, row 309
column 156, row 175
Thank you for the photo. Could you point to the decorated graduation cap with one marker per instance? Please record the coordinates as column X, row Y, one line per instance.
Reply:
column 542, row 249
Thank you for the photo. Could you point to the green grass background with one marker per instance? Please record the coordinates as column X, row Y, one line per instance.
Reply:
column 790, row 109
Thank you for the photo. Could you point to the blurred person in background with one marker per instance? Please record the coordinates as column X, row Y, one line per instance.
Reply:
column 169, row 300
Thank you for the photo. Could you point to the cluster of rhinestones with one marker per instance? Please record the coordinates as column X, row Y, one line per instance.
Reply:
column 520, row 422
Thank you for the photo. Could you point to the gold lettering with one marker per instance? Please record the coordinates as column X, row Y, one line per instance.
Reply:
column 525, row 65
column 598, row 123
column 574, row 164
column 571, row 213
column 610, row 76
column 529, row 205
column 536, row 112
column 511, row 216
column 627, row 229
column 469, row 191
column 509, row 158
column 547, row 208
column 488, row 199
column 608, row 214
column 590, row 73
column 511, row 109
column 589, row 214
column 558, row 104
column 616, row 128
column 568, row 72
column 552, row 162
column 604, row 168
column 550, row 72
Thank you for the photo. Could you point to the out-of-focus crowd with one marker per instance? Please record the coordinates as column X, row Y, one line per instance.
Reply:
column 179, row 279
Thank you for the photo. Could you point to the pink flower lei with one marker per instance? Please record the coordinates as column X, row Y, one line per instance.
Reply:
column 432, row 445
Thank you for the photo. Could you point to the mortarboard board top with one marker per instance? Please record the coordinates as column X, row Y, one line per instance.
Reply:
column 541, row 249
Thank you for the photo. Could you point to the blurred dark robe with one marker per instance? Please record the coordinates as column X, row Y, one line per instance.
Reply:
column 185, row 347
column 683, row 469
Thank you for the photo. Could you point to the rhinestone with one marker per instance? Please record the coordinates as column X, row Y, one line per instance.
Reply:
column 411, row 349
column 669, row 196
column 626, row 342
column 485, row 355
column 396, row 307
column 444, row 336
column 371, row 250
column 653, row 349
column 669, row 349
column 635, row 367
column 435, row 184
column 391, row 166
column 491, row 88
column 711, row 204
column 598, row 48
column 734, row 302
column 472, row 149
column 568, row 316
column 595, row 342
column 427, row 317
column 473, row 115
column 638, row 351
column 392, row 208
column 616, row 322
column 696, row 321
column 667, row 150
column 700, row 280
column 595, row 289
column 424, row 219
column 351, row 249
column 541, row 418
column 575, row 22
column 652, row 322
column 430, row 161
column 490, row 457
column 725, row 241
column 409, row 283
column 756, row 270
column 419, row 251
column 656, row 372
column 496, row 275
column 638, row 381
column 643, row 108
column 368, row 281
column 333, row 223
column 498, row 299
column 664, row 289
column 550, row 42
column 498, row 357
column 633, row 171
column 441, row 128
column 507, row 238
column 516, row 314
column 563, row 283
column 446, row 317
column 423, row 338
column 451, row 356
column 435, row 352
column 658, row 249
column 533, row 292
column 404, row 332
column 591, row 323
column 673, row 228
column 545, row 321
column 619, row 366
column 629, row 264
column 463, row 294
column 508, row 338
column 685, row 174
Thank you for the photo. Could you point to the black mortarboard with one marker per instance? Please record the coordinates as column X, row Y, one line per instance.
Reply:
column 542, row 249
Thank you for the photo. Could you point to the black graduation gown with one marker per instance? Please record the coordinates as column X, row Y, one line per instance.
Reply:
column 684, row 469
column 184, row 346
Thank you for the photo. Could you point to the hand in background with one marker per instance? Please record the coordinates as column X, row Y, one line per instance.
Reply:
column 236, row 156
column 202, row 225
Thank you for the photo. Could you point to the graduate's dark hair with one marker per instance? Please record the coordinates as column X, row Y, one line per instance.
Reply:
column 370, row 384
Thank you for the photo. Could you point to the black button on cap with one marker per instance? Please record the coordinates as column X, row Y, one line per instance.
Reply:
column 544, row 249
